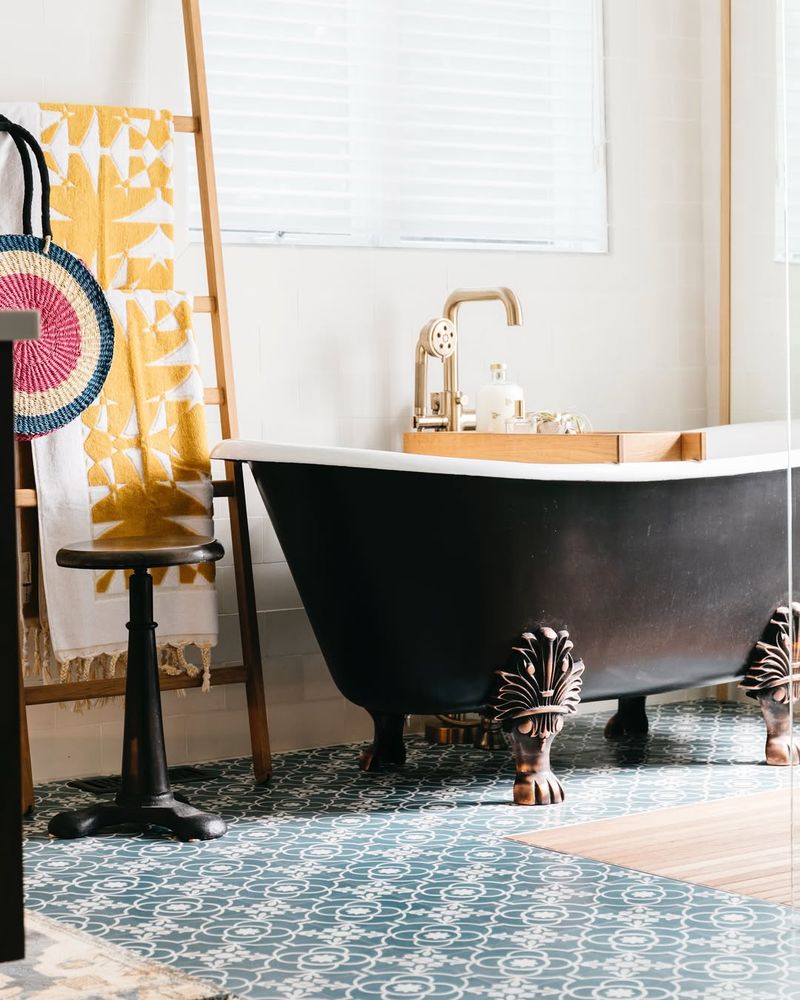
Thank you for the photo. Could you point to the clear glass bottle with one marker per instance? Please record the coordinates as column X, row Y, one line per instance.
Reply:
column 520, row 423
column 496, row 401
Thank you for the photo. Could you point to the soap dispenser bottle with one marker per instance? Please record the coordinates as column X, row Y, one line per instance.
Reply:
column 496, row 401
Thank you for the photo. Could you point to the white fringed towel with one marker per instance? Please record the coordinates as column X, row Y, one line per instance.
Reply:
column 134, row 464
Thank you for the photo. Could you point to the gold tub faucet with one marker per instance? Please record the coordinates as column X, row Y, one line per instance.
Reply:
column 439, row 339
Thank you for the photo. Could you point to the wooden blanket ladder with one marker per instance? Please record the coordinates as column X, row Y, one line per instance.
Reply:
column 248, row 672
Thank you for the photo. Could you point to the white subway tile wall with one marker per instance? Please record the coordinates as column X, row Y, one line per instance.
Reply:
column 323, row 338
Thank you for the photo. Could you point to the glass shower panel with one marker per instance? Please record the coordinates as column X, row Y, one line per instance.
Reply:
column 787, row 215
column 764, row 246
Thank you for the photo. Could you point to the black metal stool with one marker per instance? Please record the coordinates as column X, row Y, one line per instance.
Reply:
column 145, row 796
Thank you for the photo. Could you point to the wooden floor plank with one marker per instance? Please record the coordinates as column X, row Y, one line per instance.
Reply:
column 740, row 844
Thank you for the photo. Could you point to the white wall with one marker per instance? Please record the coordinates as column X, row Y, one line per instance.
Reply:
column 323, row 338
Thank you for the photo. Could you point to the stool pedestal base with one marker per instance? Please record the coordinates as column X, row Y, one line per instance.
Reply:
column 145, row 797
column 186, row 822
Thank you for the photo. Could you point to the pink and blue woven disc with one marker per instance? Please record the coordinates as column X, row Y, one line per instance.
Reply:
column 59, row 375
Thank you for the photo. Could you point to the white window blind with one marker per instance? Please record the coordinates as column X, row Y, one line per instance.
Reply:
column 409, row 122
column 787, row 189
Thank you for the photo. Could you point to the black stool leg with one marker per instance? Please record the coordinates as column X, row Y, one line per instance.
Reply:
column 145, row 796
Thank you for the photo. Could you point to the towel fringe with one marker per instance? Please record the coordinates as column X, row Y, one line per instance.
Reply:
column 205, row 653
column 39, row 662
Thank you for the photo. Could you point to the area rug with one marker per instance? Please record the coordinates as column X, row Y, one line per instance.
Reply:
column 740, row 844
column 62, row 963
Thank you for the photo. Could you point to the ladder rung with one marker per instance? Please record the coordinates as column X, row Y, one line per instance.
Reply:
column 186, row 123
column 205, row 304
column 224, row 488
column 48, row 694
column 214, row 396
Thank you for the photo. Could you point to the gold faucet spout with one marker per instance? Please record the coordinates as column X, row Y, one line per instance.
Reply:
column 439, row 339
column 501, row 294
column 457, row 418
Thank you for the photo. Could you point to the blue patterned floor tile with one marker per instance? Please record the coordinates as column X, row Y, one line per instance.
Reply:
column 335, row 885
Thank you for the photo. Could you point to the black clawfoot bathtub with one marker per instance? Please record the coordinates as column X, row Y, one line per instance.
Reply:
column 420, row 573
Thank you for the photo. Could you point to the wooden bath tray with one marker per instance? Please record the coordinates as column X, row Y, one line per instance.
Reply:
column 596, row 446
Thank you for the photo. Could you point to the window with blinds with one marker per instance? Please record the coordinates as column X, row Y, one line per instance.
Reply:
column 787, row 189
column 475, row 123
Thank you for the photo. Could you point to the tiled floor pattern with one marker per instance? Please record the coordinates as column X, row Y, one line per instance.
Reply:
column 333, row 884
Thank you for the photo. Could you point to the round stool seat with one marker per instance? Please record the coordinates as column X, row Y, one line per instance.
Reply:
column 130, row 553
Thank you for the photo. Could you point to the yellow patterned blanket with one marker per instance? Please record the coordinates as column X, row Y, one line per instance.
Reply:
column 111, row 191
column 136, row 463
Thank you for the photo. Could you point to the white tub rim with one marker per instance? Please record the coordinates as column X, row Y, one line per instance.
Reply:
column 241, row 450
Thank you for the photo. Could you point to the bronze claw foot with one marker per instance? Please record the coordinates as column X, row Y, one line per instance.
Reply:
column 387, row 750
column 538, row 790
column 630, row 719
column 773, row 679
column 535, row 784
column 539, row 687
column 781, row 749
column 491, row 735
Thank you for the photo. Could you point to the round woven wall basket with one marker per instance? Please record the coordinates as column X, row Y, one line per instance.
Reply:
column 57, row 376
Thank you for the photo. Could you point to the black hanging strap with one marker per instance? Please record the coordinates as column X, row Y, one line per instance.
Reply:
column 22, row 137
column 27, row 175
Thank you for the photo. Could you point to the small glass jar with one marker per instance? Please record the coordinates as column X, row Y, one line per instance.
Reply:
column 520, row 423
